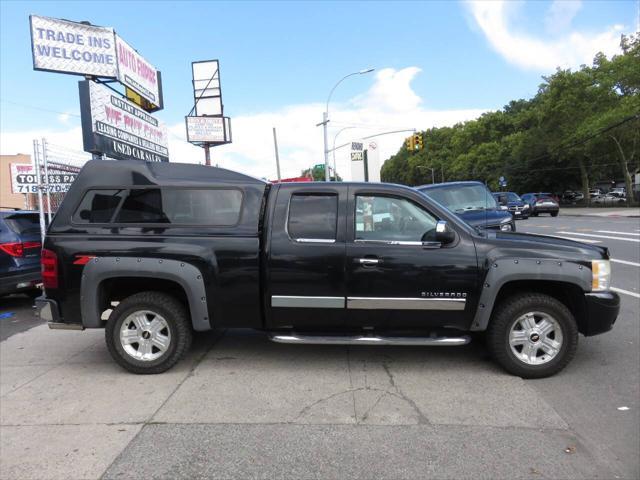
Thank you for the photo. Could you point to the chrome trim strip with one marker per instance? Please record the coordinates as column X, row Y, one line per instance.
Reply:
column 315, row 240
column 296, row 301
column 397, row 242
column 383, row 303
column 362, row 340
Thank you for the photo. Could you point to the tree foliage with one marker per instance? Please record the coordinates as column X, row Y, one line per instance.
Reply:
column 580, row 128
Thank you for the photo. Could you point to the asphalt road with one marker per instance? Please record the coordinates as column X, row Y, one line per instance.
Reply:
column 240, row 406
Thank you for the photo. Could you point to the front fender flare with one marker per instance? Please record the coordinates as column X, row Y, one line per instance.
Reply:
column 185, row 274
column 508, row 269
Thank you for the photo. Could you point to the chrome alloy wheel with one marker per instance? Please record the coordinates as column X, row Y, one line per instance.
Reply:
column 535, row 338
column 145, row 335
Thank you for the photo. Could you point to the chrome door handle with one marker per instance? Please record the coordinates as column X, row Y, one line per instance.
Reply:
column 368, row 261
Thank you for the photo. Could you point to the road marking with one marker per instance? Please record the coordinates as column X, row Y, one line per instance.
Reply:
column 626, row 292
column 583, row 240
column 635, row 240
column 625, row 262
column 619, row 233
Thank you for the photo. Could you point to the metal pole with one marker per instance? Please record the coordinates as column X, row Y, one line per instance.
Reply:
column 46, row 178
column 207, row 155
column 365, row 159
column 325, row 120
column 275, row 145
column 433, row 177
column 36, row 164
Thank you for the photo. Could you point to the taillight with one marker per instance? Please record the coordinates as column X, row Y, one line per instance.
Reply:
column 16, row 249
column 49, row 265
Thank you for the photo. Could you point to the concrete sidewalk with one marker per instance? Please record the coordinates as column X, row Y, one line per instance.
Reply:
column 600, row 212
column 240, row 406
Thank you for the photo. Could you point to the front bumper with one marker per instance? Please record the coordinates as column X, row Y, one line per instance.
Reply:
column 19, row 282
column 602, row 312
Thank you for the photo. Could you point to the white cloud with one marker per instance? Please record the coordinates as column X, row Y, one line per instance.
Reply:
column 389, row 104
column 561, row 14
column 571, row 49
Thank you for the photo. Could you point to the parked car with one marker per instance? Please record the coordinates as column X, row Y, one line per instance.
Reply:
column 620, row 192
column 572, row 196
column 513, row 203
column 19, row 252
column 473, row 202
column 595, row 192
column 184, row 247
column 541, row 203
column 608, row 199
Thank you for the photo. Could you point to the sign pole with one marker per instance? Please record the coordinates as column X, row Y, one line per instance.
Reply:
column 275, row 144
column 36, row 164
column 207, row 155
column 46, row 177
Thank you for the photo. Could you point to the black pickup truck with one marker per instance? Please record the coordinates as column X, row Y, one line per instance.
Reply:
column 153, row 251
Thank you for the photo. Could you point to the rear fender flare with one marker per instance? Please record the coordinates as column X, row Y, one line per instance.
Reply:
column 185, row 274
column 504, row 270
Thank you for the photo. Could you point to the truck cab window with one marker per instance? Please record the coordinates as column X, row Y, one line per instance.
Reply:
column 313, row 217
column 392, row 219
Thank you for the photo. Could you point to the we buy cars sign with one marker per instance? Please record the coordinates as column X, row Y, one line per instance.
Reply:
column 118, row 128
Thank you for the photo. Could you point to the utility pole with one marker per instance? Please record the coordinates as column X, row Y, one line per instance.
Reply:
column 275, row 145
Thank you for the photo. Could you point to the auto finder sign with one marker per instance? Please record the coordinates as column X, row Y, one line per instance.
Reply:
column 136, row 73
column 118, row 128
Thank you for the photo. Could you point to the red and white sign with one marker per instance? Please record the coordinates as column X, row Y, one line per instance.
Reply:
column 136, row 73
column 25, row 180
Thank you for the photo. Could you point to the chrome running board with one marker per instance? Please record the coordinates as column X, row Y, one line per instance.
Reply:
column 368, row 340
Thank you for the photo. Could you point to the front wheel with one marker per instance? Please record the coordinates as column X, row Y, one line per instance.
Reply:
column 554, row 214
column 532, row 335
column 148, row 332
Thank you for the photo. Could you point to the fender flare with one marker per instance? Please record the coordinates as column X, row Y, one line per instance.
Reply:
column 185, row 274
column 508, row 269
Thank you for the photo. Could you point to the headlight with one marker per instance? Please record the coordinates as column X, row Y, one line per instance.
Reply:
column 505, row 227
column 526, row 205
column 600, row 275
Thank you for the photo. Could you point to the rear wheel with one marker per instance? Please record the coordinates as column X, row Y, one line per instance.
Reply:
column 532, row 335
column 148, row 332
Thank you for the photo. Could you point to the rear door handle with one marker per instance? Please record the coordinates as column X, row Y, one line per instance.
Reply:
column 368, row 262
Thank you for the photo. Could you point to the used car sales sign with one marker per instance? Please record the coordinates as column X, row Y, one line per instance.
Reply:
column 118, row 128
column 71, row 47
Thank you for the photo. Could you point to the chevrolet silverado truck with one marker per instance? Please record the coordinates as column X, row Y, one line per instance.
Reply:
column 152, row 252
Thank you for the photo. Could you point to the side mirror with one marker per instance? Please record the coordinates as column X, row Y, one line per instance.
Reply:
column 85, row 214
column 444, row 234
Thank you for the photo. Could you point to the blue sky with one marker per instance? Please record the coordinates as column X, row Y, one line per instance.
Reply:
column 280, row 59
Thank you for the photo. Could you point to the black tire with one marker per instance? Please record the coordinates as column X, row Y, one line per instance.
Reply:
column 554, row 214
column 534, row 214
column 175, row 315
column 504, row 317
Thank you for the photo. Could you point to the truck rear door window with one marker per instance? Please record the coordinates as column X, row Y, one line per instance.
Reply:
column 175, row 206
column 98, row 206
column 313, row 217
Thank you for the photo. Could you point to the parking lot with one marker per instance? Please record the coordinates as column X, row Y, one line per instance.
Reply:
column 240, row 406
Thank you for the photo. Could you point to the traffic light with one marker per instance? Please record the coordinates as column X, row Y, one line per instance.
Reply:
column 409, row 143
column 417, row 141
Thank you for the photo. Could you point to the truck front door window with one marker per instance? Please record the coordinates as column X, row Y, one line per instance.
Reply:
column 391, row 219
column 313, row 217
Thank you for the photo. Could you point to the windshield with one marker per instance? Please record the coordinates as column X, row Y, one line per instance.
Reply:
column 24, row 224
column 460, row 198
column 513, row 197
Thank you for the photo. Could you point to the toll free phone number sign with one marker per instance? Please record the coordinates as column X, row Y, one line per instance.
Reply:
column 25, row 180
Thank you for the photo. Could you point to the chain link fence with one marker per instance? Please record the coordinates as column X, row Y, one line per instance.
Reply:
column 56, row 167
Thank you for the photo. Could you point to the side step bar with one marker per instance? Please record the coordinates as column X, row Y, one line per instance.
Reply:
column 367, row 340
column 65, row 326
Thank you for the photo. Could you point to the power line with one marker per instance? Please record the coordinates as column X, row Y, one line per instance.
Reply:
column 39, row 108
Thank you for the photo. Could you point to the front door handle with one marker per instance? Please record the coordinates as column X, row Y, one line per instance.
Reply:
column 368, row 262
